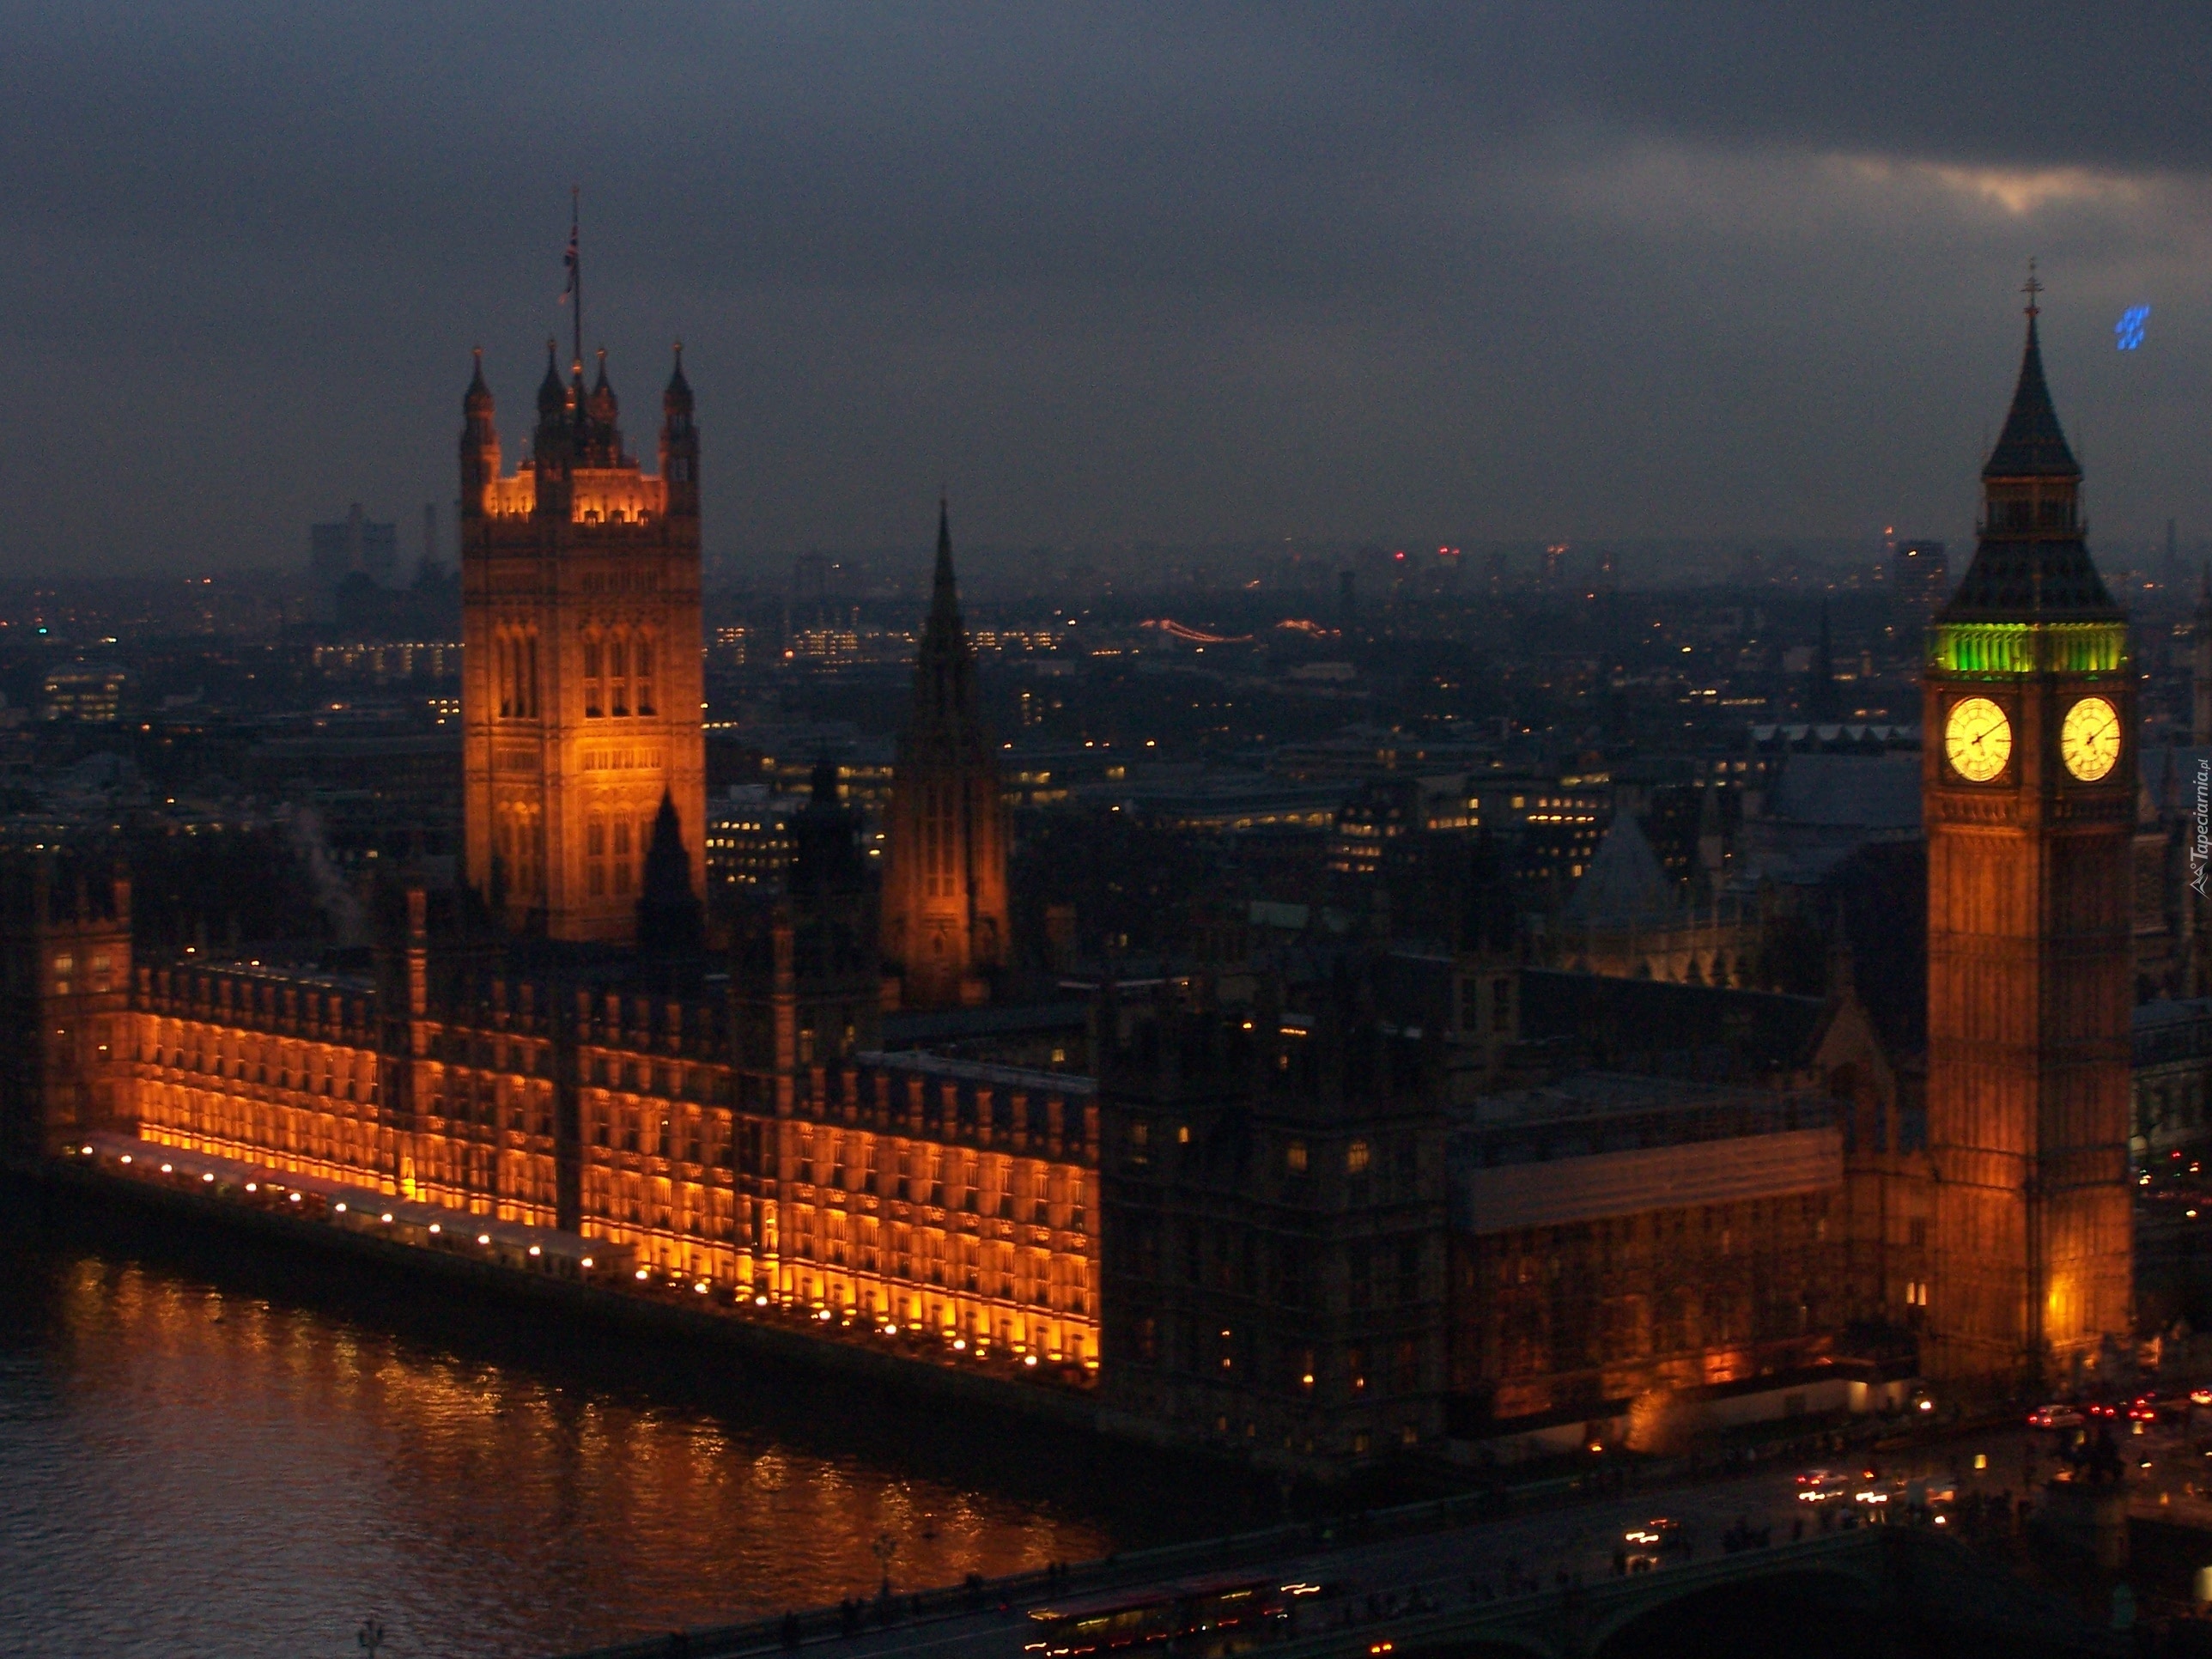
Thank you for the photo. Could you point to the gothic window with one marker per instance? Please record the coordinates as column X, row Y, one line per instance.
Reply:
column 618, row 677
column 641, row 664
column 594, row 684
column 501, row 649
column 595, row 855
column 528, row 698
column 621, row 852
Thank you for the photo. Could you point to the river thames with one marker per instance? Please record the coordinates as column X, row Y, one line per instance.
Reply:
column 202, row 1455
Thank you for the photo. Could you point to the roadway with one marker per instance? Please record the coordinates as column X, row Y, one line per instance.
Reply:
column 1412, row 1573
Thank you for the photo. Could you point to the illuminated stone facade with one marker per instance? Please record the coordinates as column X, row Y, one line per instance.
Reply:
column 582, row 679
column 65, row 1000
column 928, row 1192
column 2030, row 980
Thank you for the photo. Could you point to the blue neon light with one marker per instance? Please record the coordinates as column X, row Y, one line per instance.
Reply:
column 2129, row 328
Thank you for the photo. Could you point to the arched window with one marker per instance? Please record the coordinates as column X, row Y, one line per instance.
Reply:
column 595, row 855
column 642, row 664
column 503, row 675
column 622, row 854
column 618, row 676
column 528, row 699
column 595, row 691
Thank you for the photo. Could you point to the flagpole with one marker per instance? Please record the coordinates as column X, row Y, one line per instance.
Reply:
column 576, row 270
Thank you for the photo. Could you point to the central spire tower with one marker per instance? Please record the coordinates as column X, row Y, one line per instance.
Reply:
column 945, row 888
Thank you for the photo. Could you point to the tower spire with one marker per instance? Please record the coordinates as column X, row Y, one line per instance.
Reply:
column 2032, row 445
column 945, row 595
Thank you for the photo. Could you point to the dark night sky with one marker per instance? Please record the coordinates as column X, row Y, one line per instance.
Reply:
column 1114, row 272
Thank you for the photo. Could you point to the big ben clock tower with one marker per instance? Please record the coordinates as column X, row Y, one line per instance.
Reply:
column 2028, row 792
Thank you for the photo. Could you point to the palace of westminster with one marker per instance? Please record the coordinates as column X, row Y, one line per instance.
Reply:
column 1313, row 1204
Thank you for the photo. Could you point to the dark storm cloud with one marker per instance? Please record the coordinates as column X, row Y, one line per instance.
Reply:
column 1163, row 272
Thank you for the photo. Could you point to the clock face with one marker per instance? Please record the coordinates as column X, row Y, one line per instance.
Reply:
column 2089, row 739
column 1977, row 739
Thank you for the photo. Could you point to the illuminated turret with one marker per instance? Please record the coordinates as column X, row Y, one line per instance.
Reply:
column 679, row 443
column 581, row 691
column 479, row 443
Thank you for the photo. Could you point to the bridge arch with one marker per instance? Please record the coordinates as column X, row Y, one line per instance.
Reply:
column 1788, row 1607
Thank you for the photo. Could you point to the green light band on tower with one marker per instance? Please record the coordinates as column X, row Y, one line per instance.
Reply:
column 2028, row 647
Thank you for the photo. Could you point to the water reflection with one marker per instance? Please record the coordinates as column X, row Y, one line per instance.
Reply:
column 192, row 1466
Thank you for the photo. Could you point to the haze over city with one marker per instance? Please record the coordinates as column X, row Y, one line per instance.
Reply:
column 1417, row 274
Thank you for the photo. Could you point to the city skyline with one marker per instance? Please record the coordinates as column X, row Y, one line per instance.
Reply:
column 1268, row 276
column 1507, row 948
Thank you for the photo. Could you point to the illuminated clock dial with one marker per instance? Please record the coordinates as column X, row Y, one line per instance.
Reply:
column 1977, row 739
column 2089, row 739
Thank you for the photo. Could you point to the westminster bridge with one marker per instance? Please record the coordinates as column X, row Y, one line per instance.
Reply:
column 1457, row 1578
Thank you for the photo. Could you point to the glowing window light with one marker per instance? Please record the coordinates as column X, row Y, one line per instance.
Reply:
column 483, row 1238
column 2129, row 330
column 535, row 1250
column 296, row 1198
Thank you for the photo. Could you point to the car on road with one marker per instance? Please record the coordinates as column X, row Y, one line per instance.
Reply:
column 2056, row 1415
column 1643, row 1546
column 1822, row 1486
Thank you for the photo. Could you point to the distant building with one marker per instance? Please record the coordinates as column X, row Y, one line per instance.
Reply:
column 88, row 691
column 1919, row 576
column 748, row 842
column 1386, row 809
column 355, row 545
